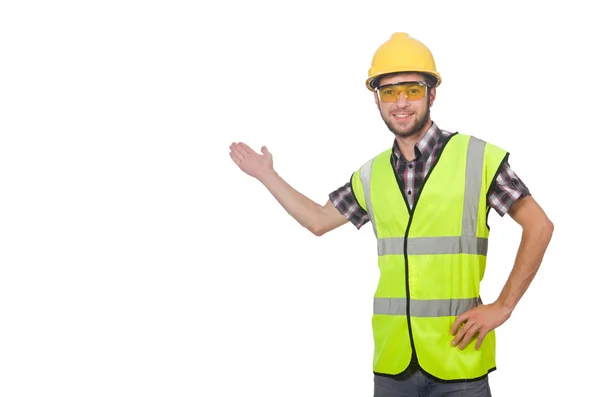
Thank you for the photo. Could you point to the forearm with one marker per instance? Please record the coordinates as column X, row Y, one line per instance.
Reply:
column 301, row 208
column 529, row 257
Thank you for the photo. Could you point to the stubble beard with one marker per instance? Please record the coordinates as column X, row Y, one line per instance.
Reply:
column 417, row 127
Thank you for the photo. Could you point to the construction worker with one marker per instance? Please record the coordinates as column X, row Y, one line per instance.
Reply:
column 427, row 198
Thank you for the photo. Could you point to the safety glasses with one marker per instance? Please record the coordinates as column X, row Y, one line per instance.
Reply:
column 412, row 90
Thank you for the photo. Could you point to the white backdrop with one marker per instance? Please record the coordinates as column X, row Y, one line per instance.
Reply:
column 137, row 260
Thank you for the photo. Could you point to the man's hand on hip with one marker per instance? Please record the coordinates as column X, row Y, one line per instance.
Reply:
column 477, row 322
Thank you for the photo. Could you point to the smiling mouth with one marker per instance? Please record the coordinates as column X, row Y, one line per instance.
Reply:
column 401, row 116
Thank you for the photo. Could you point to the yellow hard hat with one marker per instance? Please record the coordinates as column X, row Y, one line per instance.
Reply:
column 402, row 53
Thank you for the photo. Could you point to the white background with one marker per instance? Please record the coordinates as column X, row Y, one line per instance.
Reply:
column 136, row 259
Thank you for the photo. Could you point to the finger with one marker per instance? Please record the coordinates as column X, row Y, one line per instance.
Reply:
column 238, row 151
column 235, row 158
column 245, row 148
column 461, row 332
column 239, row 155
column 266, row 153
column 482, row 334
column 469, row 336
column 457, row 323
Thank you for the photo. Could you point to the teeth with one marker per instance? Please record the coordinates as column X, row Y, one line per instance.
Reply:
column 401, row 116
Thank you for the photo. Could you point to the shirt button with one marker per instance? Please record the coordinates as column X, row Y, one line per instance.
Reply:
column 409, row 192
column 410, row 166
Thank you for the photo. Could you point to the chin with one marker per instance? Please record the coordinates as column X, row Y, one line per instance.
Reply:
column 406, row 134
column 405, row 130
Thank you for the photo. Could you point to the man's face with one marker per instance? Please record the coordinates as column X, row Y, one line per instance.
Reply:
column 405, row 117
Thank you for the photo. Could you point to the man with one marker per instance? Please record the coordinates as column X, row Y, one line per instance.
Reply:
column 428, row 198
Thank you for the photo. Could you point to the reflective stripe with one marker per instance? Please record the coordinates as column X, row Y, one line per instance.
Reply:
column 467, row 243
column 424, row 308
column 365, row 177
column 433, row 245
column 475, row 152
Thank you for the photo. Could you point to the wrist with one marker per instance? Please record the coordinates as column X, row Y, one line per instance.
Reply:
column 505, row 307
column 266, row 176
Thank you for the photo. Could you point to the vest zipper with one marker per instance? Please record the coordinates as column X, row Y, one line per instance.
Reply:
column 411, row 212
column 410, row 334
column 413, row 358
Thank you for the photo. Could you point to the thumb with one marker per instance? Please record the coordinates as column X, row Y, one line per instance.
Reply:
column 265, row 151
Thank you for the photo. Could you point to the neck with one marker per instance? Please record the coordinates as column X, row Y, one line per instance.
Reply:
column 407, row 143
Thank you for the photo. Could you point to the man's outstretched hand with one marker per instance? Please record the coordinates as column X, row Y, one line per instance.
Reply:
column 477, row 322
column 254, row 164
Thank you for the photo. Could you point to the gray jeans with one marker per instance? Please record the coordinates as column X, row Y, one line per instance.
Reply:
column 416, row 384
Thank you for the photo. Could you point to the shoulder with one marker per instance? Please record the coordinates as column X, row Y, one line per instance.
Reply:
column 363, row 172
column 383, row 155
column 478, row 138
column 473, row 141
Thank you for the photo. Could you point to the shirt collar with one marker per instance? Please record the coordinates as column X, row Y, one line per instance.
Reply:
column 423, row 148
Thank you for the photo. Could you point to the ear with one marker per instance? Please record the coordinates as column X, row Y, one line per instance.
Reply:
column 432, row 93
column 376, row 99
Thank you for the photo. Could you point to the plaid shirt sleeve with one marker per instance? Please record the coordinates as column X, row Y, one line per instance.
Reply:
column 343, row 199
column 508, row 189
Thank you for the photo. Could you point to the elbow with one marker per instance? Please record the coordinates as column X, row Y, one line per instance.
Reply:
column 317, row 230
column 318, row 227
column 546, row 229
column 540, row 229
column 549, row 227
column 316, row 224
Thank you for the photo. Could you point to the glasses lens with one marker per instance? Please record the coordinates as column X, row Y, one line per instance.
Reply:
column 412, row 92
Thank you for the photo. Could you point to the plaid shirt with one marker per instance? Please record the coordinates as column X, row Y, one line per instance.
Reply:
column 507, row 189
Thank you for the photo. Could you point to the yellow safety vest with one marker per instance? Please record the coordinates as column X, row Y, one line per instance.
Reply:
column 431, row 258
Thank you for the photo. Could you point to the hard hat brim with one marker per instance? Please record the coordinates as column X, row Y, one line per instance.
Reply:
column 372, row 79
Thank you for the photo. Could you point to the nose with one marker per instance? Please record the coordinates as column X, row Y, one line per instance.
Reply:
column 402, row 101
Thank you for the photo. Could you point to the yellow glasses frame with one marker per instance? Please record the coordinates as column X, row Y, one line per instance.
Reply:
column 412, row 90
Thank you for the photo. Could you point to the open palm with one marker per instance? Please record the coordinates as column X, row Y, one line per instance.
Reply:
column 249, row 161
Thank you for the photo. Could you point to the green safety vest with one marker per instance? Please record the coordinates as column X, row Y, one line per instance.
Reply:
column 431, row 258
